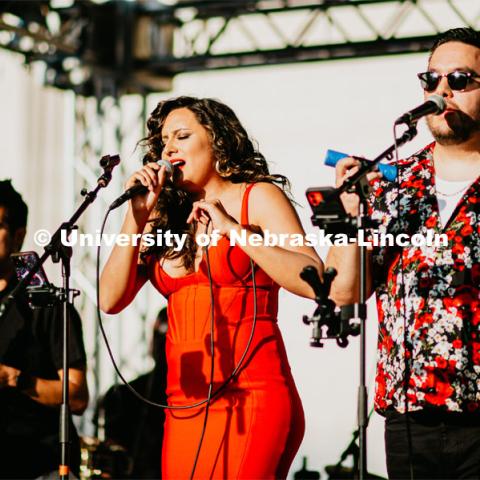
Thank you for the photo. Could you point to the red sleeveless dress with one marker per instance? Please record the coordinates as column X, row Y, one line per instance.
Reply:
column 255, row 426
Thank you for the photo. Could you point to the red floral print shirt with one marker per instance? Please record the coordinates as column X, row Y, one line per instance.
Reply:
column 428, row 297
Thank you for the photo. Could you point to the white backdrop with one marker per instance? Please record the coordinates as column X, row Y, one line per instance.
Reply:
column 295, row 112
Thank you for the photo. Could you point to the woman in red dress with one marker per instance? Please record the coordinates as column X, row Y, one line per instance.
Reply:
column 225, row 352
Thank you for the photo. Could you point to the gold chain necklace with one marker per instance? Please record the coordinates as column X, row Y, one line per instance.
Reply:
column 452, row 194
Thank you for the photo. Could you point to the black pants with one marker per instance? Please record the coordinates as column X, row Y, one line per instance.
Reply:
column 443, row 445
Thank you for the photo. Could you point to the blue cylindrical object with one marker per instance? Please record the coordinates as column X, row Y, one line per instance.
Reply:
column 388, row 171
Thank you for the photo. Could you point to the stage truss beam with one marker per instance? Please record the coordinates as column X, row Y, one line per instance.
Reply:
column 236, row 34
column 140, row 46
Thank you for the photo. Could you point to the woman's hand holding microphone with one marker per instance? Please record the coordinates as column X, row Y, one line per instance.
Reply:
column 152, row 176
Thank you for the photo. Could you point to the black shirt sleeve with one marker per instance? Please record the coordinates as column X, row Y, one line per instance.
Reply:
column 51, row 324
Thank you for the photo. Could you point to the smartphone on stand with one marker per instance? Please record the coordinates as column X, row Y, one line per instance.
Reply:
column 40, row 292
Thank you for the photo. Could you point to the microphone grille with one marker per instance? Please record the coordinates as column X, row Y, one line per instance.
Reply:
column 439, row 101
column 167, row 165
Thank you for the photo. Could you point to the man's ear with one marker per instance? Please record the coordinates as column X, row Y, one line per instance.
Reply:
column 18, row 238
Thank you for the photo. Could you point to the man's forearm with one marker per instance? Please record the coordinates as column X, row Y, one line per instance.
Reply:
column 346, row 261
column 49, row 392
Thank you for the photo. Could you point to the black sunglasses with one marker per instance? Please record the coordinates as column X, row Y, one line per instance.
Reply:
column 457, row 80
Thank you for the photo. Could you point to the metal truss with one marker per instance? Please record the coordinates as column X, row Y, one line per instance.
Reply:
column 122, row 46
column 108, row 126
column 234, row 34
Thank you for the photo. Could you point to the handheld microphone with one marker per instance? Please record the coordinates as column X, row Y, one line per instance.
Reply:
column 388, row 171
column 140, row 189
column 434, row 104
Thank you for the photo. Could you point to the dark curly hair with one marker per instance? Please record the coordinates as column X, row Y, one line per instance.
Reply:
column 16, row 210
column 466, row 35
column 236, row 159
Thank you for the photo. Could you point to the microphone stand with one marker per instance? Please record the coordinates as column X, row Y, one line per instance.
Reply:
column 60, row 252
column 361, row 308
column 357, row 183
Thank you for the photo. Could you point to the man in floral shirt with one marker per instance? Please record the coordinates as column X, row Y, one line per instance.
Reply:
column 428, row 297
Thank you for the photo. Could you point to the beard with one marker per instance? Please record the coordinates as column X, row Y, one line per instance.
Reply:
column 459, row 128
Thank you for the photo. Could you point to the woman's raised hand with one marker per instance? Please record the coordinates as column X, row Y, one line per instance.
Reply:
column 213, row 210
column 152, row 176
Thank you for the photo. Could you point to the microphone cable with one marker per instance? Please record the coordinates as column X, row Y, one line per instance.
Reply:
column 212, row 357
column 210, row 395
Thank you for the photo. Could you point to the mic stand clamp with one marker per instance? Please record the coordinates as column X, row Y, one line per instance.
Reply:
column 47, row 296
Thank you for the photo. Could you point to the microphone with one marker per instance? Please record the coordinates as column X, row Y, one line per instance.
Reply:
column 388, row 171
column 140, row 189
column 434, row 104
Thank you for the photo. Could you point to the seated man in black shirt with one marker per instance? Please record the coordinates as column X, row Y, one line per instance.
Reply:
column 31, row 365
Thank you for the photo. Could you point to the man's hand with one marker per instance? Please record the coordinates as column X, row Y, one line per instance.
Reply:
column 8, row 376
column 346, row 168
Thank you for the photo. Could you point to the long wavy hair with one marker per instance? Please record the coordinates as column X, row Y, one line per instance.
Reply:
column 236, row 159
